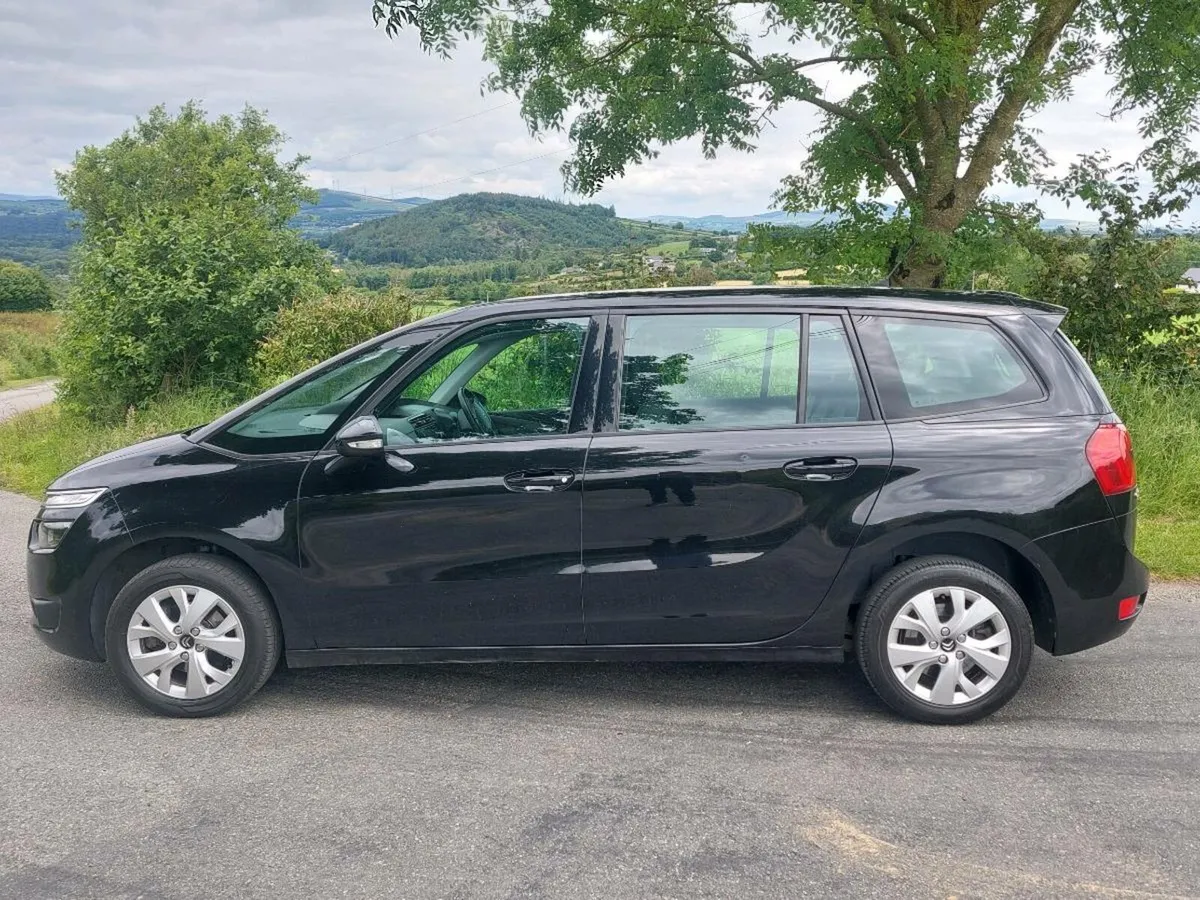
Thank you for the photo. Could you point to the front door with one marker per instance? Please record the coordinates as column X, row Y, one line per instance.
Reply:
column 468, row 533
column 719, row 509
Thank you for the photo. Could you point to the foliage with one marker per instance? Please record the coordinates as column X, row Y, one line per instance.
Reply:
column 372, row 280
column 38, row 446
column 316, row 328
column 1115, row 283
column 186, row 256
column 1174, row 351
column 943, row 95
column 27, row 345
column 22, row 289
column 472, row 227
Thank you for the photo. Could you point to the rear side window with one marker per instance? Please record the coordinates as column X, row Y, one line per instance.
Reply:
column 935, row 366
column 710, row 371
column 833, row 392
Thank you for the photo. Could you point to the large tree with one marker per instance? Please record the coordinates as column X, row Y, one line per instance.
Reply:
column 186, row 256
column 939, row 111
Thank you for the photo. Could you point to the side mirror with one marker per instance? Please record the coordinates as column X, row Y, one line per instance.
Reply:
column 362, row 437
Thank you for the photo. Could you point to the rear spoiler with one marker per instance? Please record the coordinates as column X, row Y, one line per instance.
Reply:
column 1047, row 320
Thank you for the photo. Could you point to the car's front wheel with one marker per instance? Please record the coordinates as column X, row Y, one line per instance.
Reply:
column 193, row 635
column 944, row 640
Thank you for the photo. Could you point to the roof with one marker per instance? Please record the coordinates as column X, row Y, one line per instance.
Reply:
column 1192, row 275
column 880, row 298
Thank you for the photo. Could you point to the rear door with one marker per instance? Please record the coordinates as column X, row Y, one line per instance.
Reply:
column 718, row 507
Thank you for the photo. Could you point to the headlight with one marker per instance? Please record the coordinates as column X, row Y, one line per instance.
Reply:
column 59, row 511
column 72, row 499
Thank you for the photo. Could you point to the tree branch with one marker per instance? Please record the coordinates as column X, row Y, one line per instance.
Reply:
column 998, row 131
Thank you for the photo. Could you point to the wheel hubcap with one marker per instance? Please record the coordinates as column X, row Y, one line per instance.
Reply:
column 186, row 642
column 949, row 646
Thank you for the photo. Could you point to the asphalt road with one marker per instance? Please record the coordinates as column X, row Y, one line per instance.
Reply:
column 606, row 781
column 24, row 398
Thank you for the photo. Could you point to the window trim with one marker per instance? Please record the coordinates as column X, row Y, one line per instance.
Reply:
column 595, row 329
column 874, row 342
column 608, row 414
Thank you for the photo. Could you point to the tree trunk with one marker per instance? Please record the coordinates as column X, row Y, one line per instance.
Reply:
column 918, row 266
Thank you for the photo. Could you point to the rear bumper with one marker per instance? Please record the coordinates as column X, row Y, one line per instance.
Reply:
column 1089, row 571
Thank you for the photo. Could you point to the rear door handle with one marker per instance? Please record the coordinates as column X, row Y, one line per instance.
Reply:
column 540, row 481
column 821, row 468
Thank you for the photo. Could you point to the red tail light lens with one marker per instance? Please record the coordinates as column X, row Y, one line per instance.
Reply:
column 1128, row 608
column 1110, row 454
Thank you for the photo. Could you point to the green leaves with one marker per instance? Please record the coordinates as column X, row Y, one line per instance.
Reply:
column 185, row 257
column 22, row 289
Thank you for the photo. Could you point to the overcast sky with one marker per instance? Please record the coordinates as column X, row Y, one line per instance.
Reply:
column 74, row 72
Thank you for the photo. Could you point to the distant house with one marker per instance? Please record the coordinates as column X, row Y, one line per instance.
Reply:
column 573, row 270
column 797, row 277
column 1190, row 281
column 659, row 264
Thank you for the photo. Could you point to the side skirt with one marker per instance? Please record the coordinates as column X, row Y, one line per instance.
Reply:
column 370, row 656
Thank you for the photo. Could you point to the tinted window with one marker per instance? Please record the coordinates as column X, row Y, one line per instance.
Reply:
column 304, row 418
column 943, row 366
column 506, row 379
column 833, row 391
column 710, row 371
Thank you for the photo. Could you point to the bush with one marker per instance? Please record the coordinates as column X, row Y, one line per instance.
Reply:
column 22, row 289
column 186, row 256
column 316, row 328
column 1174, row 351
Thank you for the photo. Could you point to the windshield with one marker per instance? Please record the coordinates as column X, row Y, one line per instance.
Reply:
column 304, row 418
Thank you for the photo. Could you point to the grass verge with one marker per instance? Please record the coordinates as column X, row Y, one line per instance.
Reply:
column 38, row 446
column 26, row 347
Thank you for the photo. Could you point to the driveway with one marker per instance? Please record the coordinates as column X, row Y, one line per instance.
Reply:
column 606, row 781
column 30, row 396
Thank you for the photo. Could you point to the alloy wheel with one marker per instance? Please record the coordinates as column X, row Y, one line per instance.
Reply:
column 949, row 646
column 186, row 642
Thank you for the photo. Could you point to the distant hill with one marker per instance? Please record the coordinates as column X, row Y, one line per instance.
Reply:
column 36, row 231
column 807, row 219
column 339, row 209
column 472, row 227
column 739, row 223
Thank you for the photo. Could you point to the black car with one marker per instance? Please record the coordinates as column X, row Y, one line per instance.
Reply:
column 933, row 482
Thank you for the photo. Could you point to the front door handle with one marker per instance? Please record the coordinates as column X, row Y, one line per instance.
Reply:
column 539, row 481
column 821, row 468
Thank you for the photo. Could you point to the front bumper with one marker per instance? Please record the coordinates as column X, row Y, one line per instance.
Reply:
column 1089, row 571
column 62, row 581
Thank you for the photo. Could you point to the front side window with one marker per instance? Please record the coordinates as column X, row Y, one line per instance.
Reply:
column 507, row 379
column 304, row 418
column 710, row 371
column 946, row 366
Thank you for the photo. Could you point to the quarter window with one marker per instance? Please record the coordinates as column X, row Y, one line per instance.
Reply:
column 710, row 371
column 943, row 366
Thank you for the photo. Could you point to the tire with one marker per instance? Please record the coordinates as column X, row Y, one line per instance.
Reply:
column 146, row 627
column 961, row 680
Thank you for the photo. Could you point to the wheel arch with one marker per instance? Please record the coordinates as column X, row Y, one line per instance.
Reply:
column 151, row 546
column 995, row 551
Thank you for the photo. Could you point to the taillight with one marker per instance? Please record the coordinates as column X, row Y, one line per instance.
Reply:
column 1110, row 454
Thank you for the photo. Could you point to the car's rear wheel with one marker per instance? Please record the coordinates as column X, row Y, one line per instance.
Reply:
column 193, row 635
column 944, row 640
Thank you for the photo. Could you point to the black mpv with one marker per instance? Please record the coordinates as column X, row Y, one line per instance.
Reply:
column 933, row 482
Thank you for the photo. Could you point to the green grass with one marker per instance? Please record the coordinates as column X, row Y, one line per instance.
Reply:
column 1165, row 424
column 672, row 248
column 26, row 347
column 38, row 446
